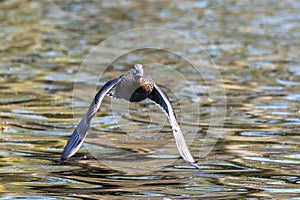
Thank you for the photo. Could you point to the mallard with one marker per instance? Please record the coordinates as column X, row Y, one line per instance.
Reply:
column 133, row 86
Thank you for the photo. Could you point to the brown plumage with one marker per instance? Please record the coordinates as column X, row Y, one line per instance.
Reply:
column 133, row 86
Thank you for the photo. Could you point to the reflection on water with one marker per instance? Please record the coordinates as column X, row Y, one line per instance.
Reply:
column 256, row 47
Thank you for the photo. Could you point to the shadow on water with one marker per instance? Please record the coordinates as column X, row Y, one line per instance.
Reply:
column 255, row 46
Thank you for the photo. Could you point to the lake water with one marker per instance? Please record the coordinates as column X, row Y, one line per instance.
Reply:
column 231, row 70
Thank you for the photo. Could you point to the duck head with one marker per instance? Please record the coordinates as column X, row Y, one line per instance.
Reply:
column 137, row 70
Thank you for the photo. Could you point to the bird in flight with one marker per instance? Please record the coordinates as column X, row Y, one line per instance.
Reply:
column 133, row 86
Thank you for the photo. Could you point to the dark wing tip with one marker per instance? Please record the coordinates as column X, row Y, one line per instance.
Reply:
column 61, row 160
column 72, row 146
column 195, row 164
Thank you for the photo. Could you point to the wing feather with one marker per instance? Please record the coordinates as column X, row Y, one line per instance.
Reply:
column 80, row 132
column 160, row 98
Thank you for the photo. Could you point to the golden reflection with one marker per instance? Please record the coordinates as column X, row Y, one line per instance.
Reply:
column 4, row 129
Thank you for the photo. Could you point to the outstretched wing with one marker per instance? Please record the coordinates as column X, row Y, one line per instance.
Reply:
column 80, row 132
column 160, row 97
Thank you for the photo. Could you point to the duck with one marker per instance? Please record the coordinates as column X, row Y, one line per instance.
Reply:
column 132, row 86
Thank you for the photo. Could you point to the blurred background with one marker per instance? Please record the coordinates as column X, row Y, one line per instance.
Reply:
column 255, row 46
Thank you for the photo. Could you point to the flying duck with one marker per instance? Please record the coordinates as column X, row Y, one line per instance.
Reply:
column 133, row 86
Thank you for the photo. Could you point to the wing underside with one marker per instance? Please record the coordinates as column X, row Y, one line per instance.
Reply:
column 80, row 132
column 161, row 99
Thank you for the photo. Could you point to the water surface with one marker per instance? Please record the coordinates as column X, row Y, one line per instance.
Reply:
column 255, row 46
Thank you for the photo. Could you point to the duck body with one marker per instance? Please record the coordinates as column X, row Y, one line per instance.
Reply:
column 133, row 86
